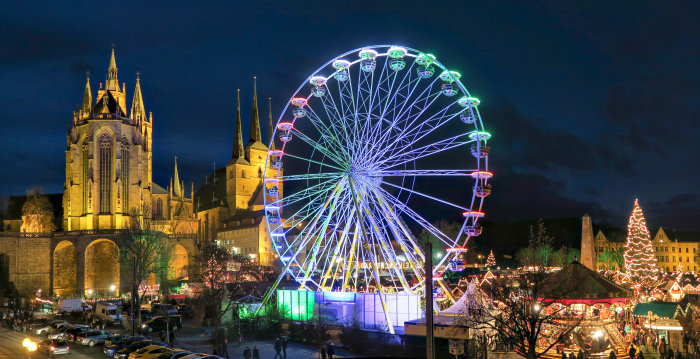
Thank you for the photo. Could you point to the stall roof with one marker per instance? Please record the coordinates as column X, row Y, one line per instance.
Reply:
column 662, row 309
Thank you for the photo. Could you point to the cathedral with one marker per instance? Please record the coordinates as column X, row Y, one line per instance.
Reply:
column 109, row 165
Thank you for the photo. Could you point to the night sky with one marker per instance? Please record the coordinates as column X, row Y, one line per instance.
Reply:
column 590, row 105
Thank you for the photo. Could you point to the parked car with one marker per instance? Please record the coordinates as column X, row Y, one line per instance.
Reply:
column 176, row 354
column 51, row 327
column 95, row 337
column 164, row 309
column 115, row 338
column 113, row 346
column 54, row 347
column 149, row 352
column 173, row 322
column 60, row 334
column 73, row 332
column 124, row 352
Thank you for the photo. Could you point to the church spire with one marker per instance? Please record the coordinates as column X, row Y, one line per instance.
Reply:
column 138, row 111
column 270, row 129
column 177, row 190
column 238, row 141
column 87, row 97
column 255, row 122
column 112, row 81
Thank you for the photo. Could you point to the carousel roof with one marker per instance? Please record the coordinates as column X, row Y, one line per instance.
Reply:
column 662, row 309
column 576, row 283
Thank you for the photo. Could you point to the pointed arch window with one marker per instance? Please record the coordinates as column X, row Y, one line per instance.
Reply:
column 105, row 155
column 84, row 162
column 159, row 208
column 125, row 175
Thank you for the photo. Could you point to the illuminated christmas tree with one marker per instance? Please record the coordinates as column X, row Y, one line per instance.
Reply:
column 491, row 260
column 640, row 261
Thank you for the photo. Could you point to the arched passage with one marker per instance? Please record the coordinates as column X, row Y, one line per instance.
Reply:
column 102, row 267
column 64, row 269
column 179, row 263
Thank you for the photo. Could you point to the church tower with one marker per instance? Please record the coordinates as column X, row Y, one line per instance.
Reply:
column 245, row 170
column 108, row 158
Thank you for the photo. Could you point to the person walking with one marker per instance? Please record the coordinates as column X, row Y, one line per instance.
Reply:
column 246, row 353
column 162, row 336
column 284, row 346
column 612, row 355
column 322, row 350
column 329, row 350
column 632, row 351
column 278, row 348
column 256, row 353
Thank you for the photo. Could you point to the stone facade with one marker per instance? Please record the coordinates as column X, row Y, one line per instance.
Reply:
column 79, row 262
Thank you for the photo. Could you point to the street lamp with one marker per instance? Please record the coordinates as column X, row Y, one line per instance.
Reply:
column 112, row 288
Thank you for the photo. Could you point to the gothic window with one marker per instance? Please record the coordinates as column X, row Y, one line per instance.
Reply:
column 105, row 148
column 86, row 175
column 159, row 208
column 125, row 175
column 242, row 173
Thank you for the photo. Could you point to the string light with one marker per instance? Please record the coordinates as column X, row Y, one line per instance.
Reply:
column 491, row 260
column 640, row 261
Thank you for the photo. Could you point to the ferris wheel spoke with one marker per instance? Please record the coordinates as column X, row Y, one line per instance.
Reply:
column 388, row 253
column 328, row 134
column 402, row 208
column 334, row 137
column 313, row 161
column 425, row 151
column 333, row 155
column 335, row 116
column 398, row 140
column 305, row 194
column 425, row 195
column 416, row 173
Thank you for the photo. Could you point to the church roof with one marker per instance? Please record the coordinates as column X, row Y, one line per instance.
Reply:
column 157, row 189
column 212, row 193
column 108, row 104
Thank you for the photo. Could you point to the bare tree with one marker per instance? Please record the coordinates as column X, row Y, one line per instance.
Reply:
column 523, row 311
column 146, row 251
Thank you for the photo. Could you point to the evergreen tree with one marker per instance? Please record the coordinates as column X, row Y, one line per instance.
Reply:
column 640, row 261
column 491, row 260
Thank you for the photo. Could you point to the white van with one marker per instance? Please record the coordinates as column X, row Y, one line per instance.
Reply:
column 107, row 311
column 71, row 305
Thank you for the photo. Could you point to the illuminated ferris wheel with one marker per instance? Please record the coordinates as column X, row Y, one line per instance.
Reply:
column 372, row 143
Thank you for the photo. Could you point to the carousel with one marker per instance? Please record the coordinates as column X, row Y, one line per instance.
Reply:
column 596, row 303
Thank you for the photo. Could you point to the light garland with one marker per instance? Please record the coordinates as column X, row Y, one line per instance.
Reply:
column 640, row 261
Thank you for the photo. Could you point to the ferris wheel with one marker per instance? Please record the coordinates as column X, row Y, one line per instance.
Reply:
column 372, row 145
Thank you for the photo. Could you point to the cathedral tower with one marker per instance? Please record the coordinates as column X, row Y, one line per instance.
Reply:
column 108, row 158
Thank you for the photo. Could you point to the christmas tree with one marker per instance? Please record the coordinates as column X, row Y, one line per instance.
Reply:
column 640, row 261
column 491, row 260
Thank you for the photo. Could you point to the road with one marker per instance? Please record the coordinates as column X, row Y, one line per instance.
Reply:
column 11, row 347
